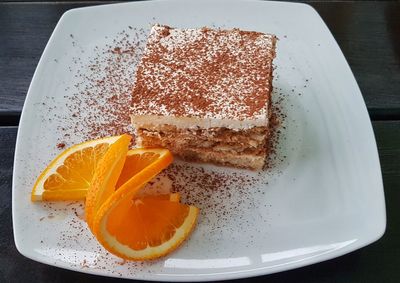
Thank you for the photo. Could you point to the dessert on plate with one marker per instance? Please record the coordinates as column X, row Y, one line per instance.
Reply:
column 205, row 94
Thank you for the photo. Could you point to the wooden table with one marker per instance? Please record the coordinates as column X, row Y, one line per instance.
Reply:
column 367, row 32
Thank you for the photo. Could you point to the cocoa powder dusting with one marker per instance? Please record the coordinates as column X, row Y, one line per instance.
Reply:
column 221, row 196
column 205, row 73
column 100, row 103
column 61, row 145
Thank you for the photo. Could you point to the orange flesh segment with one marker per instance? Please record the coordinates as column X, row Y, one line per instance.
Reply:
column 144, row 222
column 76, row 173
column 134, row 163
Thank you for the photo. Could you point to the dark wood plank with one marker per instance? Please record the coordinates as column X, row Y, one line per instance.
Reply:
column 368, row 34
column 366, row 31
column 376, row 263
column 25, row 30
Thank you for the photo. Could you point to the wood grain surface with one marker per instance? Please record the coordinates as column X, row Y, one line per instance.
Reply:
column 375, row 263
column 367, row 32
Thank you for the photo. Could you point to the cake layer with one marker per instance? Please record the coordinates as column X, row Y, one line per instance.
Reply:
column 251, row 141
column 211, row 77
column 247, row 161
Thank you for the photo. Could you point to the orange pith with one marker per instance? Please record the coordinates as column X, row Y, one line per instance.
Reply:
column 69, row 175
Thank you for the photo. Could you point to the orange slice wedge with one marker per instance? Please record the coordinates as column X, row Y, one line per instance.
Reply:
column 70, row 174
column 106, row 176
column 137, row 227
column 142, row 228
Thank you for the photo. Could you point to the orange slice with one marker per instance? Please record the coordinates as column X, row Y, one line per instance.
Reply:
column 142, row 228
column 138, row 227
column 70, row 174
column 106, row 176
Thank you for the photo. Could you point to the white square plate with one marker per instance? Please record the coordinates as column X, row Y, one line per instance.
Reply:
column 323, row 200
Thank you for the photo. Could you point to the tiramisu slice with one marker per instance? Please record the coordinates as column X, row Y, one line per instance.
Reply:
column 205, row 94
